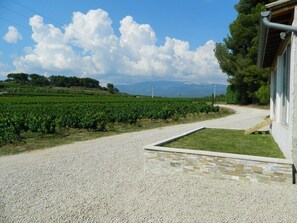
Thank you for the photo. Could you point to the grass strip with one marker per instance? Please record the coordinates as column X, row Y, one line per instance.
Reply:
column 229, row 141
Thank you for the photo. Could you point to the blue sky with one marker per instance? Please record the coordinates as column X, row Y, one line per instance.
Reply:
column 115, row 41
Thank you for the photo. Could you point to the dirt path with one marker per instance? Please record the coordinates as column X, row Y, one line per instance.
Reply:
column 103, row 180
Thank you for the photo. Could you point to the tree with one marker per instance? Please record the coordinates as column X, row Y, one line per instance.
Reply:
column 111, row 89
column 38, row 80
column 21, row 78
column 58, row 81
column 263, row 94
column 237, row 55
column 72, row 81
column 89, row 82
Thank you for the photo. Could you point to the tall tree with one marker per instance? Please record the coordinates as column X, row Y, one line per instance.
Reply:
column 58, row 81
column 111, row 89
column 89, row 82
column 237, row 55
column 21, row 78
column 38, row 80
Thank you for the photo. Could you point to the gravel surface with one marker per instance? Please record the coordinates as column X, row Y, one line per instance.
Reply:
column 103, row 180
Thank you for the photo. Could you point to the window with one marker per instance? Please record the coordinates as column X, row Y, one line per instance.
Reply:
column 285, row 86
column 273, row 93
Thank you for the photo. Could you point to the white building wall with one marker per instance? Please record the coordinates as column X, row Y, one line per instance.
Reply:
column 293, row 126
column 281, row 118
column 280, row 134
column 285, row 134
column 279, row 130
column 272, row 95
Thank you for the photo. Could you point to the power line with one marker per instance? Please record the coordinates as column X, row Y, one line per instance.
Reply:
column 18, row 13
column 36, row 12
column 16, row 24
column 14, row 11
column 45, row 16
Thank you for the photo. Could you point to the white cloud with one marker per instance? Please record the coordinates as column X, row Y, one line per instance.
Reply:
column 89, row 46
column 12, row 35
column 4, row 68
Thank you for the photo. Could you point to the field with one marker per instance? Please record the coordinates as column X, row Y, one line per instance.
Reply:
column 28, row 111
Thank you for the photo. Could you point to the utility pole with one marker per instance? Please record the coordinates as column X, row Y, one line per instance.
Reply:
column 213, row 95
column 153, row 91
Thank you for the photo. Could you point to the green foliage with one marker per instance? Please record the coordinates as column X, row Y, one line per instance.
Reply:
column 165, row 113
column 235, row 96
column 38, row 80
column 21, row 78
column 111, row 89
column 58, row 81
column 237, row 55
column 232, row 95
column 263, row 94
column 94, row 120
column 44, row 124
column 45, row 115
column 89, row 82
column 10, row 128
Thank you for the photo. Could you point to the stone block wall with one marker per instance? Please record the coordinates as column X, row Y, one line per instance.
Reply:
column 271, row 170
column 165, row 160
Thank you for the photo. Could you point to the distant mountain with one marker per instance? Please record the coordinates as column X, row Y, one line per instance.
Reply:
column 172, row 89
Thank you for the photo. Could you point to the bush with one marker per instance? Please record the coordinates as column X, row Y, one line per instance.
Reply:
column 236, row 96
column 94, row 121
column 232, row 95
column 166, row 113
column 42, row 124
column 9, row 131
column 263, row 94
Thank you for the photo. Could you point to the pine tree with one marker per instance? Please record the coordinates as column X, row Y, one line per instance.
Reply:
column 237, row 55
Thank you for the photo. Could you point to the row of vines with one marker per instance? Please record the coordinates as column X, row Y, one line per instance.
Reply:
column 45, row 115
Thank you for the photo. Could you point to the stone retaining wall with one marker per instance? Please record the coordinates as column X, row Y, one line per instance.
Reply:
column 164, row 160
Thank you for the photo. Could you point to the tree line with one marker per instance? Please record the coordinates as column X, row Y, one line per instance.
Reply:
column 237, row 56
column 58, row 81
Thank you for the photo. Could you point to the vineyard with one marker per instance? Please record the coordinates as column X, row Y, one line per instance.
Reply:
column 48, row 114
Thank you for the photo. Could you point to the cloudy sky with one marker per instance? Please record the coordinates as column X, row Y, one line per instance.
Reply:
column 118, row 41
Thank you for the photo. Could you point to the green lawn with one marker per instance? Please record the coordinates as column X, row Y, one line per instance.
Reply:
column 229, row 141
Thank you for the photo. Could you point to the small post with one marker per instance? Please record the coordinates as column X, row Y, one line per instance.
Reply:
column 214, row 94
column 153, row 91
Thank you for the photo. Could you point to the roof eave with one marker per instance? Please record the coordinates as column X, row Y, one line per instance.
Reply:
column 279, row 4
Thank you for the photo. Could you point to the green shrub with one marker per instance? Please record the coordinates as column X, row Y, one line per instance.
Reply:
column 236, row 96
column 9, row 131
column 263, row 94
column 232, row 95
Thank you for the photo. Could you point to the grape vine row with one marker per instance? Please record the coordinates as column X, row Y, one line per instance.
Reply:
column 45, row 115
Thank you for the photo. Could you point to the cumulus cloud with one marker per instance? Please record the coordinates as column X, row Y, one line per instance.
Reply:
column 89, row 46
column 12, row 35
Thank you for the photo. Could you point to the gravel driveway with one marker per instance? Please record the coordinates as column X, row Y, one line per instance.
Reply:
column 103, row 180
